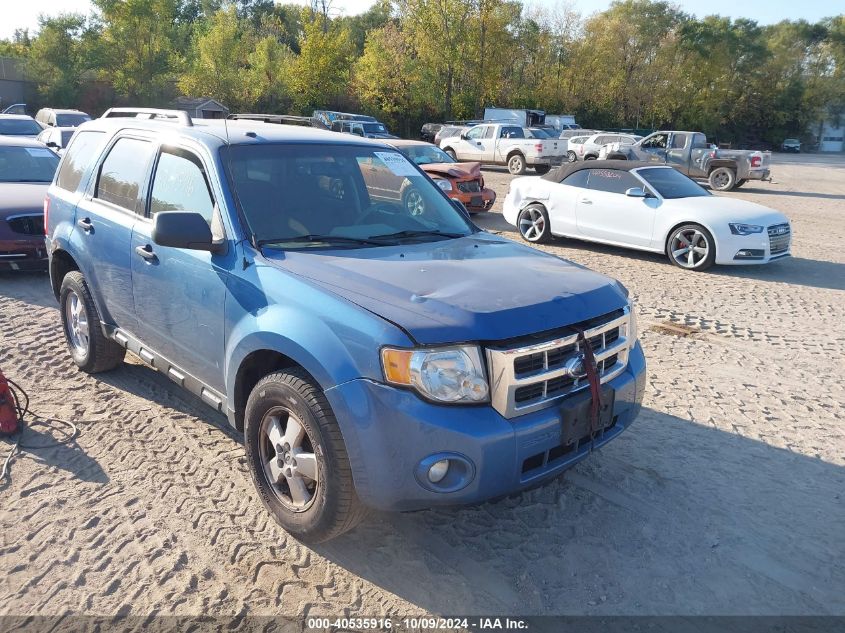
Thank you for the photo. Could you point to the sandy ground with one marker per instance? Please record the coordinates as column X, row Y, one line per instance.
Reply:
column 726, row 497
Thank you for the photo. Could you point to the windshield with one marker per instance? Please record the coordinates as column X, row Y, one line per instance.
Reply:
column 426, row 154
column 791, row 140
column 306, row 196
column 374, row 128
column 71, row 120
column 27, row 164
column 19, row 127
column 671, row 183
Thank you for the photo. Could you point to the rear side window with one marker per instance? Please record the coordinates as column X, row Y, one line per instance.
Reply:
column 123, row 173
column 612, row 180
column 679, row 141
column 180, row 185
column 80, row 154
column 578, row 179
column 512, row 132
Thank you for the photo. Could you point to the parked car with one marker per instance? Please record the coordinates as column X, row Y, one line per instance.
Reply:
column 620, row 140
column 460, row 181
column 372, row 358
column 52, row 117
column 647, row 207
column 791, row 145
column 692, row 155
column 498, row 144
column 449, row 130
column 567, row 134
column 325, row 118
column 575, row 148
column 592, row 146
column 56, row 138
column 26, row 170
column 19, row 125
column 515, row 116
column 429, row 131
column 367, row 129
column 15, row 108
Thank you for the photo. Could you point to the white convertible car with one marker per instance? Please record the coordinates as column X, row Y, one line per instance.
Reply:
column 647, row 207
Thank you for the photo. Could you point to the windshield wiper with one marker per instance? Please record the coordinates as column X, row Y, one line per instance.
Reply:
column 314, row 237
column 416, row 233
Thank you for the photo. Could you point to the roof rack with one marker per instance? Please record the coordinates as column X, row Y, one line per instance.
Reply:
column 149, row 113
column 272, row 118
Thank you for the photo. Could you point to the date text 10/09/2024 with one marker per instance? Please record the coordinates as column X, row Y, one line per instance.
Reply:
column 418, row 624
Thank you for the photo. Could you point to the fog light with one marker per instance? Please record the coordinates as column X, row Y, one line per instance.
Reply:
column 438, row 471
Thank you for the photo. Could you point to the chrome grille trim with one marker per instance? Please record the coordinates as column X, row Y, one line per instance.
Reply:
column 504, row 380
column 779, row 238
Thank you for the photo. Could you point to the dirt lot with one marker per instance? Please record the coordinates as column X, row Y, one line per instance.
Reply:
column 726, row 497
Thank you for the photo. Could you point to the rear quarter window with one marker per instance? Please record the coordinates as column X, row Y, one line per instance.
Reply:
column 81, row 152
column 578, row 179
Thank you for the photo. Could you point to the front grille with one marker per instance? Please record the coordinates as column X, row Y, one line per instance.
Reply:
column 779, row 235
column 27, row 224
column 470, row 186
column 532, row 376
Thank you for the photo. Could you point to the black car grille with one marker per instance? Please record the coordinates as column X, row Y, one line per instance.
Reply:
column 27, row 224
column 779, row 235
column 470, row 186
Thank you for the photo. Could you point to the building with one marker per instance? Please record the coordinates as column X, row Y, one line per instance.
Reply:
column 201, row 107
column 832, row 133
column 14, row 88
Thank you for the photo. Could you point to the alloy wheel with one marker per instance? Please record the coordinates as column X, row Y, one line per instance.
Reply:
column 532, row 224
column 77, row 323
column 414, row 203
column 689, row 247
column 290, row 464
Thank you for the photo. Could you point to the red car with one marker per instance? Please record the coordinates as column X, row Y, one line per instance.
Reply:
column 460, row 181
column 26, row 171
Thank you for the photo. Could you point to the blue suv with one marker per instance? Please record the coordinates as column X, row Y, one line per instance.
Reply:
column 372, row 356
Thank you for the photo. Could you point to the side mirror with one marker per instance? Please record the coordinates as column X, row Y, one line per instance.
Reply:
column 635, row 192
column 52, row 144
column 464, row 136
column 183, row 229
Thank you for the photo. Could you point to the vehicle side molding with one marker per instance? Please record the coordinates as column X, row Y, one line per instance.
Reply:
column 183, row 229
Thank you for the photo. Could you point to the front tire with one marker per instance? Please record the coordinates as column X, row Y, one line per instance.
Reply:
column 691, row 247
column 516, row 164
column 542, row 169
column 590, row 157
column 722, row 179
column 298, row 459
column 89, row 348
column 451, row 153
column 533, row 224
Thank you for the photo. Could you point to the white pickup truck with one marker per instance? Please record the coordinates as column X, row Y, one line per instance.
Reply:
column 505, row 144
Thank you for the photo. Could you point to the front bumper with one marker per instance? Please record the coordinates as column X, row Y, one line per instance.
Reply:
column 475, row 202
column 747, row 249
column 390, row 431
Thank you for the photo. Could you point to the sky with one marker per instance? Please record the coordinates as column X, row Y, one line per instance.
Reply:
column 24, row 13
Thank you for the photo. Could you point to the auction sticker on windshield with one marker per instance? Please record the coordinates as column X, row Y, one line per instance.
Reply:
column 397, row 163
column 38, row 151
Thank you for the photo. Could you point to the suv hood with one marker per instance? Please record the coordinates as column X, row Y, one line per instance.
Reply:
column 476, row 288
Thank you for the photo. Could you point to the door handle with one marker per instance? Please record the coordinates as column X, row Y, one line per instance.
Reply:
column 85, row 224
column 146, row 252
column 585, row 201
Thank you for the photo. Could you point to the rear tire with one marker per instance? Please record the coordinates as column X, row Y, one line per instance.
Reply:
column 616, row 156
column 722, row 179
column 451, row 153
column 89, row 348
column 298, row 459
column 516, row 164
column 533, row 224
column 590, row 157
column 542, row 169
column 571, row 157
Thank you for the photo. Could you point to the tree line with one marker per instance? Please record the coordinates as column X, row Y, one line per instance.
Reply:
column 639, row 64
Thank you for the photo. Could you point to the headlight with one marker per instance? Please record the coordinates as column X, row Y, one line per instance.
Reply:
column 632, row 322
column 745, row 229
column 445, row 185
column 445, row 374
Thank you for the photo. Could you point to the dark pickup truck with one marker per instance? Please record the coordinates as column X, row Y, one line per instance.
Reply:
column 693, row 156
